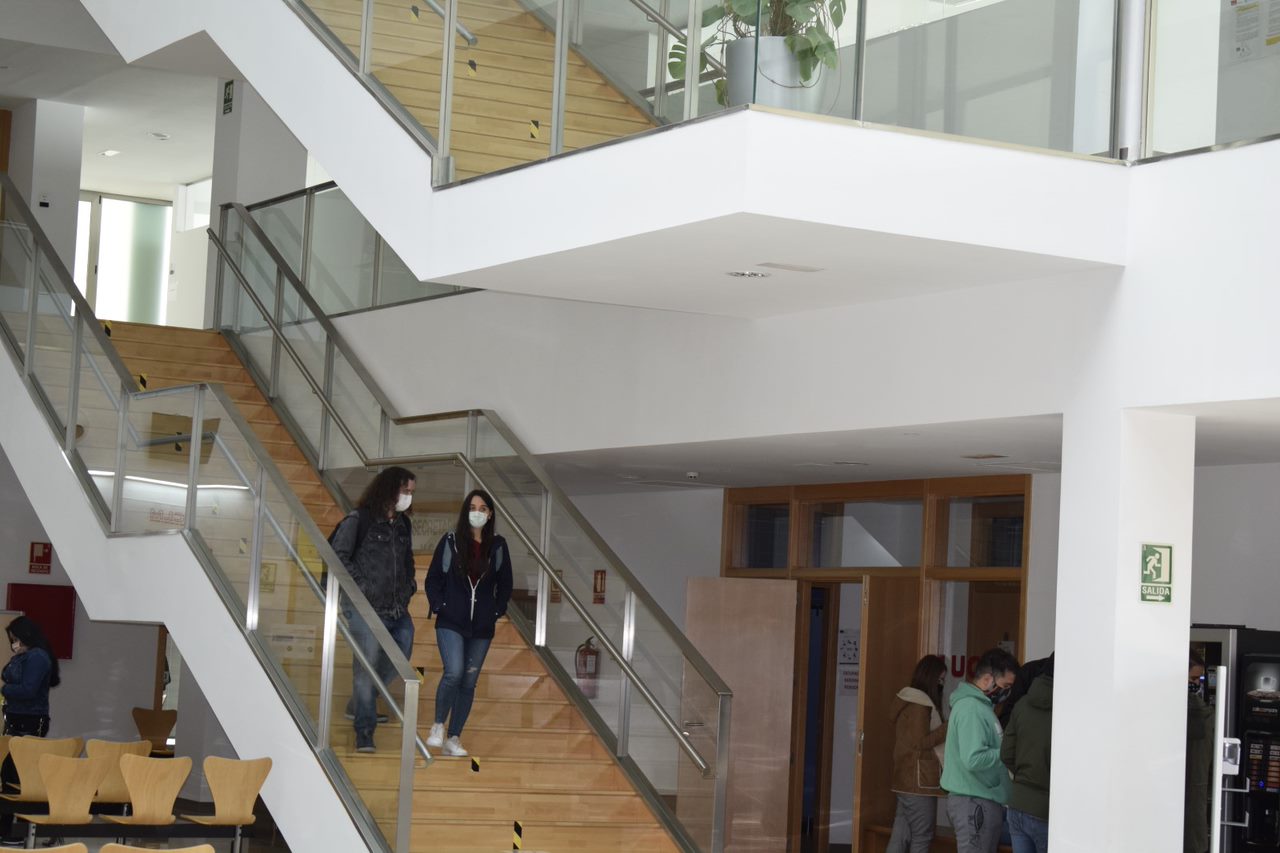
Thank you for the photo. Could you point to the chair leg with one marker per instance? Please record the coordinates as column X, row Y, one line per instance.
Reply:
column 235, row 842
column 31, row 836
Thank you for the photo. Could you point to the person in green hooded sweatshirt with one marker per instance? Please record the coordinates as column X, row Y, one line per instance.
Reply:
column 973, row 776
column 1025, row 751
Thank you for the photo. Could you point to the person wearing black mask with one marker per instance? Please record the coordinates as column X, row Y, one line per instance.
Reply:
column 973, row 775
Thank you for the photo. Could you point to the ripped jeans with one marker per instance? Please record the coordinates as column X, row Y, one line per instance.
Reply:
column 462, row 659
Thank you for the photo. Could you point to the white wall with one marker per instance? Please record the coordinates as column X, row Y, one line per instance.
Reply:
column 664, row 537
column 112, row 667
column 44, row 162
column 1237, row 546
column 1042, row 566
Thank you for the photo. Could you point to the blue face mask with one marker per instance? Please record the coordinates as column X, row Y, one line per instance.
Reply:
column 1195, row 688
column 999, row 694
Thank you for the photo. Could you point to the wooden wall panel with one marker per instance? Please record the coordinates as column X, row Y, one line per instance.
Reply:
column 6, row 131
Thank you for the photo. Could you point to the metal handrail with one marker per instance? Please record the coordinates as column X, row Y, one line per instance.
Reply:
column 673, row 31
column 690, row 653
column 459, row 27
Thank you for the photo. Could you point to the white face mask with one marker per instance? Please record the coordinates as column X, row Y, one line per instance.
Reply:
column 15, row 646
column 403, row 502
column 477, row 519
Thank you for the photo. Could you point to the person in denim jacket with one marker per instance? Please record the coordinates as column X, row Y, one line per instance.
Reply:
column 375, row 543
column 468, row 586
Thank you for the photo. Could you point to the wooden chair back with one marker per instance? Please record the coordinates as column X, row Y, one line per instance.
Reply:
column 72, row 848
column 155, row 726
column 153, row 785
column 235, row 784
column 26, row 752
column 71, row 784
column 113, row 789
column 4, row 747
column 124, row 848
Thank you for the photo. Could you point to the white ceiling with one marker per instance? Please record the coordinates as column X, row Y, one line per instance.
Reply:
column 53, row 50
column 1235, row 433
column 685, row 268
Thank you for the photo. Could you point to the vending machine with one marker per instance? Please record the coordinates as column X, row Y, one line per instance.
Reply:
column 1251, row 696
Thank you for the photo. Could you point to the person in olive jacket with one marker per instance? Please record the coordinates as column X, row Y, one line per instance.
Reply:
column 1025, row 751
column 918, row 736
column 468, row 586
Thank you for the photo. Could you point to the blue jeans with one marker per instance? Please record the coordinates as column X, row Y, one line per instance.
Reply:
column 1030, row 834
column 462, row 659
column 363, row 692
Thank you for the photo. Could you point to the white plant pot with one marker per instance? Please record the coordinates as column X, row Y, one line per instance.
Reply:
column 777, row 76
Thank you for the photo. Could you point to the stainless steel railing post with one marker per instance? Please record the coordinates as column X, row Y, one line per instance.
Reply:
column 544, row 585
column 719, row 804
column 193, row 461
column 692, row 59
column 442, row 164
column 122, row 439
column 32, row 286
column 558, row 76
column 73, row 389
column 255, row 554
column 624, row 683
column 328, row 658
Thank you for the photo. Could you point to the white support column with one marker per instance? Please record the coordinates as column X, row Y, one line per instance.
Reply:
column 44, row 162
column 255, row 157
column 197, row 735
column 1119, row 727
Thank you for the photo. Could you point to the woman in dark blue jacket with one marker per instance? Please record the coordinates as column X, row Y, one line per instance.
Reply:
column 27, row 677
column 468, row 586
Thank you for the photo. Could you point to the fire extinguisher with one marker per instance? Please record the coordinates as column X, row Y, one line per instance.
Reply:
column 586, row 663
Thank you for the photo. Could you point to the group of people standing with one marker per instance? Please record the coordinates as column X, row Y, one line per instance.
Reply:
column 468, row 588
column 991, row 773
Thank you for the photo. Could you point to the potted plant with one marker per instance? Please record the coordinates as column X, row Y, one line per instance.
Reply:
column 776, row 47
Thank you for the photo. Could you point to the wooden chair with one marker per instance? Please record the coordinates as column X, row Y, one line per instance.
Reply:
column 153, row 785
column 126, row 848
column 155, row 726
column 235, row 785
column 26, row 752
column 71, row 784
column 113, row 790
column 70, row 848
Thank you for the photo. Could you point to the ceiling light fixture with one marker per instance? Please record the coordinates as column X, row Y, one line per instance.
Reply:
column 747, row 274
column 985, row 456
column 159, row 135
column 790, row 267
column 849, row 462
column 110, row 152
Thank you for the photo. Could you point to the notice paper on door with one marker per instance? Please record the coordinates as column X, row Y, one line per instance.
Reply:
column 848, row 663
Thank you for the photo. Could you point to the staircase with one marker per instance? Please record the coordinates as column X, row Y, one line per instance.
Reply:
column 502, row 92
column 539, row 762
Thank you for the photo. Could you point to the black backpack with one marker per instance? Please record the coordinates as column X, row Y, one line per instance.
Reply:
column 362, row 527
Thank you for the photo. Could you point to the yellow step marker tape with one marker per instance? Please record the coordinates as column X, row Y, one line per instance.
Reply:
column 415, row 11
column 517, row 836
column 535, row 128
column 475, row 764
column 244, row 546
column 472, row 68
column 142, row 381
column 106, row 327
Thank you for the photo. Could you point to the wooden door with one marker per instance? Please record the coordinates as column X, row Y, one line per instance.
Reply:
column 890, row 649
column 746, row 629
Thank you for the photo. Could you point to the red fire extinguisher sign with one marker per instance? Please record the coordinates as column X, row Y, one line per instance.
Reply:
column 597, row 588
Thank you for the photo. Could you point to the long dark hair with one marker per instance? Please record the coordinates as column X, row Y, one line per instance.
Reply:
column 27, row 631
column 928, row 678
column 462, row 532
column 383, row 491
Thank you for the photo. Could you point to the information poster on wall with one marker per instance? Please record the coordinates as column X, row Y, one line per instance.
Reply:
column 848, row 662
column 1251, row 29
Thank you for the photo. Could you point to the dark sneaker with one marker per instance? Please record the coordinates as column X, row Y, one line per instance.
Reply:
column 364, row 742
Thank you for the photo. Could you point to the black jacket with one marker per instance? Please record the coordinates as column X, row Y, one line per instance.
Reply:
column 472, row 613
column 382, row 563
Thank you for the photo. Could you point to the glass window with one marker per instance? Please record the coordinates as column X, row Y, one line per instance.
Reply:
column 973, row 617
column 865, row 534
column 985, row 531
column 762, row 542
column 133, row 261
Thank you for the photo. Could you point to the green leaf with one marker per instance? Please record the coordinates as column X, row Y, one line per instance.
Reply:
column 744, row 8
column 713, row 15
column 722, row 91
column 802, row 12
column 838, row 8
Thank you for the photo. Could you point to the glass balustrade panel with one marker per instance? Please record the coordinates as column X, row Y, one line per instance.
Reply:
column 307, row 339
column 1213, row 74
column 405, row 55
column 17, row 278
column 340, row 266
column 342, row 18
column 228, row 478
column 439, row 435
column 501, row 112
column 51, row 360
column 157, row 456
column 360, row 411
column 97, row 411
column 1030, row 72
column 284, row 223
column 397, row 283
column 618, row 79
column 577, row 648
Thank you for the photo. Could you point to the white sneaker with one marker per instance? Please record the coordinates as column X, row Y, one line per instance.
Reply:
column 436, row 738
column 453, row 748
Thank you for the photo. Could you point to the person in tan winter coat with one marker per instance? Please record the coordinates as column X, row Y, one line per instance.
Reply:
column 919, row 735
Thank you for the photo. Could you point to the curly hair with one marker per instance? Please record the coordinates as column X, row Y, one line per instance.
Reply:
column 383, row 491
